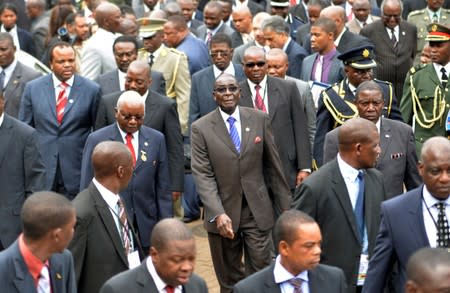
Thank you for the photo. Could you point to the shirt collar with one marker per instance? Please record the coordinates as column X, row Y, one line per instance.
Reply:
column 431, row 13
column 214, row 31
column 282, row 275
column 122, row 76
column 430, row 200
column 338, row 39
column 228, row 70
column 2, row 117
column 157, row 52
column 110, row 197
column 8, row 70
column 57, row 82
column 13, row 30
column 160, row 284
column 235, row 115
column 347, row 171
column 123, row 134
column 286, row 44
column 262, row 84
column 34, row 264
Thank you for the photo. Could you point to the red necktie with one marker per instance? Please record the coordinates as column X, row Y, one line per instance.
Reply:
column 259, row 103
column 129, row 137
column 170, row 289
column 61, row 102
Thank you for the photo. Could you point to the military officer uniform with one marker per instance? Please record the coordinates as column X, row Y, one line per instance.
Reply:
column 421, row 19
column 174, row 66
column 426, row 94
column 336, row 103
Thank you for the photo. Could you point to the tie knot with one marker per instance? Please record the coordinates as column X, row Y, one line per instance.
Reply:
column 63, row 85
column 443, row 70
column 360, row 174
column 170, row 289
column 440, row 205
column 231, row 120
column 120, row 203
column 296, row 282
column 257, row 87
column 129, row 136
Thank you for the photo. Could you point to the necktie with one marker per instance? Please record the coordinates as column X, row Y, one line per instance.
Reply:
column 124, row 227
column 259, row 103
column 151, row 59
column 297, row 284
column 435, row 17
column 61, row 102
column 208, row 38
column 443, row 238
column 234, row 134
column 444, row 77
column 129, row 138
column 319, row 66
column 393, row 38
column 359, row 206
column 44, row 281
column 170, row 289
column 2, row 80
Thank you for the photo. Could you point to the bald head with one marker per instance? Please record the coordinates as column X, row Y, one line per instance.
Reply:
column 130, row 98
column 107, row 157
column 108, row 17
column 168, row 230
column 277, row 62
column 138, row 77
column 242, row 19
column 434, row 145
column 337, row 14
column 253, row 51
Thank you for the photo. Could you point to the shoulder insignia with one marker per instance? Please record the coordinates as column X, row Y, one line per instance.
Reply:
column 176, row 51
column 382, row 81
column 416, row 68
column 416, row 12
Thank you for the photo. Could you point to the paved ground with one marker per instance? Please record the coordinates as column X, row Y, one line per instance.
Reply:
column 204, row 266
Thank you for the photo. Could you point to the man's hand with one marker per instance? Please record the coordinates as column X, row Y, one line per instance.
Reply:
column 223, row 223
column 176, row 195
column 301, row 176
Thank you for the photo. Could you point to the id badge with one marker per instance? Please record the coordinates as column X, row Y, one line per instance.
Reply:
column 133, row 259
column 363, row 266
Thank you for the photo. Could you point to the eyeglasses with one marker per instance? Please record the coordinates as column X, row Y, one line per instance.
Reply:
column 217, row 53
column 253, row 64
column 223, row 90
column 389, row 16
column 128, row 117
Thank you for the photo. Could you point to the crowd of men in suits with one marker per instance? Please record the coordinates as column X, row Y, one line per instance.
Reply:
column 150, row 110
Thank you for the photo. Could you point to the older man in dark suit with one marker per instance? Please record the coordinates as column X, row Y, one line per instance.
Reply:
column 281, row 100
column 170, row 239
column 298, row 240
column 344, row 197
column 104, row 244
column 234, row 161
column 398, row 159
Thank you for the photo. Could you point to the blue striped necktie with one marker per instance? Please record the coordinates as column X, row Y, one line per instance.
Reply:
column 234, row 134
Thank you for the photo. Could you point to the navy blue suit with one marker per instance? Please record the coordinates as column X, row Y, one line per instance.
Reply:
column 16, row 278
column 402, row 232
column 65, row 142
column 26, row 42
column 147, row 196
column 296, row 54
column 196, row 51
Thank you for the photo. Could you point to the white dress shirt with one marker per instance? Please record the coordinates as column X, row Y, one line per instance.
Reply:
column 262, row 92
column 236, row 115
column 160, row 284
column 428, row 208
column 282, row 276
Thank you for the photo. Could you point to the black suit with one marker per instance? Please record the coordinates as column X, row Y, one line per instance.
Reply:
column 324, row 196
column 288, row 122
column 139, row 280
column 160, row 114
column 322, row 278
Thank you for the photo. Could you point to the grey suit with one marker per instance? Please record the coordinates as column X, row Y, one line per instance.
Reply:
column 16, row 278
column 238, row 52
column 336, row 73
column 224, row 28
column 13, row 90
column 324, row 196
column 22, row 172
column 397, row 161
column 322, row 278
column 139, row 280
column 109, row 82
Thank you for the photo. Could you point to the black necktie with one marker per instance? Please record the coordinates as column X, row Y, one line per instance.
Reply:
column 2, row 80
column 151, row 59
column 443, row 237
column 444, row 77
column 393, row 38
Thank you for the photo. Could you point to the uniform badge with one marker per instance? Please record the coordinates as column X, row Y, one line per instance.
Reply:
column 143, row 156
column 365, row 53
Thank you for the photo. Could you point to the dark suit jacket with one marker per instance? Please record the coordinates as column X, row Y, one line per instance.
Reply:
column 147, row 196
column 223, row 176
column 236, row 39
column 402, row 232
column 26, row 41
column 12, row 93
column 322, row 278
column 397, row 161
column 335, row 74
column 202, row 31
column 300, row 11
column 393, row 63
column 255, row 7
column 63, row 142
column 296, row 54
column 96, row 245
column 324, row 196
column 16, row 278
column 139, row 280
column 202, row 85
column 288, row 124
column 109, row 82
column 21, row 174
column 160, row 114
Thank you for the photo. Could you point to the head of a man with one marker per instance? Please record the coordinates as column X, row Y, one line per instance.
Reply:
column 138, row 77
column 434, row 166
column 113, row 165
column 255, row 65
column 439, row 43
column 276, row 32
column 130, row 111
column 35, row 8
column 361, row 9
column 150, row 4
column 435, row 5
column 428, row 271
column 323, row 32
column 172, row 8
column 298, row 239
column 175, row 31
column 151, row 32
column 62, row 60
column 391, row 12
column 277, row 63
column 221, row 51
column 48, row 219
column 242, row 20
column 212, row 15
column 358, row 64
column 187, row 8
column 108, row 17
column 369, row 101
column 314, row 8
column 258, row 33
column 359, row 143
column 336, row 14
column 77, row 26
column 173, row 251
column 227, row 93
column 227, row 8
column 280, row 8
column 7, row 50
column 129, row 27
column 125, row 49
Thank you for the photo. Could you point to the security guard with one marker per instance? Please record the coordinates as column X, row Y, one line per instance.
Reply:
column 426, row 93
column 336, row 103
column 433, row 13
column 172, row 63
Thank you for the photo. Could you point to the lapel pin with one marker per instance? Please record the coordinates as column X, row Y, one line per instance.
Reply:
column 146, row 143
column 403, row 33
column 257, row 139
column 15, row 81
column 58, row 276
column 154, row 163
column 247, row 129
column 387, row 135
column 71, row 101
column 143, row 156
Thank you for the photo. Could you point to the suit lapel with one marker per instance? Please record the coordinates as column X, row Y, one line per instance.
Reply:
column 246, row 95
column 246, row 130
column 13, row 82
column 315, row 281
column 150, row 108
column 385, row 139
column 56, row 275
column 144, row 279
column 416, row 222
column 23, row 280
column 5, row 136
column 73, row 96
column 221, row 131
column 273, row 94
column 143, row 150
column 48, row 91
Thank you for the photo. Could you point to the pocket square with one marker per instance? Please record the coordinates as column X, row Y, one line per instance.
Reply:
column 397, row 156
column 257, row 139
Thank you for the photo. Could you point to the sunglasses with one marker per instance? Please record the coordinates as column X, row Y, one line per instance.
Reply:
column 253, row 64
column 223, row 90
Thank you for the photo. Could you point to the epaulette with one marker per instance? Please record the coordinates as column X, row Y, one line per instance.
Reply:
column 416, row 68
column 382, row 81
column 142, row 50
column 176, row 51
column 416, row 12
